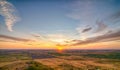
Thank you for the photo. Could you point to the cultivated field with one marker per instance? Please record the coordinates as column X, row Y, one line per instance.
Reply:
column 54, row 60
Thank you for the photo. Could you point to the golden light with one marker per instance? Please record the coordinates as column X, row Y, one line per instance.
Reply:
column 60, row 49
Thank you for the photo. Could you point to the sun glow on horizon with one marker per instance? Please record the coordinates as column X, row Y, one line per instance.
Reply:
column 60, row 49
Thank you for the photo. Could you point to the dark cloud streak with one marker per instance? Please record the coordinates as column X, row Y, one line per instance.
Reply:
column 14, row 38
column 86, row 30
column 114, row 36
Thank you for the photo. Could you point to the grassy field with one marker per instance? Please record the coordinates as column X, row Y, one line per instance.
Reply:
column 53, row 60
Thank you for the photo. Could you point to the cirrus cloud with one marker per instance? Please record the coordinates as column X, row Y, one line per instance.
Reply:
column 8, row 11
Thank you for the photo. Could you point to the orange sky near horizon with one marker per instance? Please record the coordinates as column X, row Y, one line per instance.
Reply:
column 48, row 45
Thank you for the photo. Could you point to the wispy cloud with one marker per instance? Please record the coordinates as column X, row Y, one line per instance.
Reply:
column 14, row 38
column 86, row 30
column 4, row 41
column 36, row 35
column 58, row 38
column 8, row 11
column 113, row 36
column 115, row 17
column 100, row 26
column 87, row 12
column 39, row 36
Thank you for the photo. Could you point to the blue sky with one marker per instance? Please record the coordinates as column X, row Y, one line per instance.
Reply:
column 51, row 15
column 70, row 19
column 44, row 16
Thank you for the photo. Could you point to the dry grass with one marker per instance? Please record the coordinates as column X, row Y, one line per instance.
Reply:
column 84, row 64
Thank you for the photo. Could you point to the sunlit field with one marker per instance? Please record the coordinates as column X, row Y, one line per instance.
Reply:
column 54, row 60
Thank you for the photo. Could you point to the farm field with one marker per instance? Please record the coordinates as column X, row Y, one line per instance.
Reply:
column 54, row 60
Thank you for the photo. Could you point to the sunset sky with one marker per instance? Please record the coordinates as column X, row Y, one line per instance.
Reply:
column 66, row 24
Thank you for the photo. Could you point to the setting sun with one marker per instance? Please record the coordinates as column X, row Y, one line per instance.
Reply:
column 60, row 49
